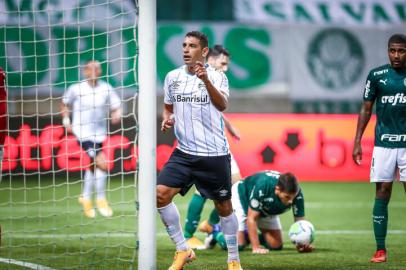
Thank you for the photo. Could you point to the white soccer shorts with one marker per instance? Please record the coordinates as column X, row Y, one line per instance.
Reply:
column 386, row 163
column 267, row 223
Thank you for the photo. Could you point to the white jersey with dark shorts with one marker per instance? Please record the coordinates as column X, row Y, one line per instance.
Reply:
column 90, row 112
column 202, row 156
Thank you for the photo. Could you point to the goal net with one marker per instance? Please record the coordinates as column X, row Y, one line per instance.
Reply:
column 44, row 47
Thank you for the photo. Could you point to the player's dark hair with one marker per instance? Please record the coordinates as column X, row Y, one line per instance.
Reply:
column 397, row 38
column 203, row 40
column 287, row 183
column 218, row 50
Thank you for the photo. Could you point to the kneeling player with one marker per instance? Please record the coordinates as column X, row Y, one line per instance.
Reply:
column 257, row 202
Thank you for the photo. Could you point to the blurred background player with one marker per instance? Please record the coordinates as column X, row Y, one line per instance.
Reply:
column 91, row 101
column 195, row 96
column 219, row 58
column 258, row 201
column 385, row 85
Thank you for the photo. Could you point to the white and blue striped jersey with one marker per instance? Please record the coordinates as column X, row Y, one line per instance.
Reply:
column 199, row 126
column 90, row 109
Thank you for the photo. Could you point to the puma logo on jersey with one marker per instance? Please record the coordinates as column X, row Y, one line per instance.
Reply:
column 383, row 81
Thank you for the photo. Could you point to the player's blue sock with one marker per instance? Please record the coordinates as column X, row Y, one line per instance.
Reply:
column 194, row 211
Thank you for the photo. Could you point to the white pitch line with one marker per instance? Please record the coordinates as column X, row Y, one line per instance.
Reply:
column 162, row 234
column 25, row 264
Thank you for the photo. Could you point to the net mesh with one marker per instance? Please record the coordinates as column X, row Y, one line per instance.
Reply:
column 44, row 45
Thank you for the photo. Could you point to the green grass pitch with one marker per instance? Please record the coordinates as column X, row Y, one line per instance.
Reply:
column 51, row 231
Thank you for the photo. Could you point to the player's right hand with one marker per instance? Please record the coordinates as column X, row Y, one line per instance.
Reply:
column 167, row 124
column 260, row 251
column 69, row 129
column 304, row 248
column 357, row 153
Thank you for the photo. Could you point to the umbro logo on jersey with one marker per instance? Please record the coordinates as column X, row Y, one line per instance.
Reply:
column 202, row 87
column 223, row 192
column 383, row 81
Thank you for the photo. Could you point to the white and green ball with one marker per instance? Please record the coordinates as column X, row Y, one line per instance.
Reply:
column 302, row 233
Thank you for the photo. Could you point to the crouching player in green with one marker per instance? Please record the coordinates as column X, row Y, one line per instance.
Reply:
column 257, row 202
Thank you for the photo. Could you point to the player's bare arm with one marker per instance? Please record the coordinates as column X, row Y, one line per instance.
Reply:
column 167, row 119
column 65, row 117
column 219, row 99
column 363, row 119
column 252, row 218
column 233, row 131
column 116, row 116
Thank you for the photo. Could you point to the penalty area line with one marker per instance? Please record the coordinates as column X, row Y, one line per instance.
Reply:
column 26, row 264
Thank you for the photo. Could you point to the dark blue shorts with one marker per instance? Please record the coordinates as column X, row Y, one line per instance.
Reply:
column 91, row 148
column 210, row 175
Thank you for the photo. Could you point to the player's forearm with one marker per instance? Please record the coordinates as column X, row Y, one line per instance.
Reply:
column 64, row 110
column 167, row 112
column 363, row 119
column 298, row 218
column 253, row 232
column 218, row 99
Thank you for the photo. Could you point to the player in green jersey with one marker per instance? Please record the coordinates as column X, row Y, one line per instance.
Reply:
column 385, row 86
column 257, row 202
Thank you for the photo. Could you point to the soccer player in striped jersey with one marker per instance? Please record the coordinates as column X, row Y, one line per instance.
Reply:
column 385, row 86
column 195, row 96
column 219, row 58
column 91, row 102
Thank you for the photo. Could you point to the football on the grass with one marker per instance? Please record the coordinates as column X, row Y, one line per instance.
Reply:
column 302, row 233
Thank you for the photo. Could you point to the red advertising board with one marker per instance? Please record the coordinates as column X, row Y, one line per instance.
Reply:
column 314, row 147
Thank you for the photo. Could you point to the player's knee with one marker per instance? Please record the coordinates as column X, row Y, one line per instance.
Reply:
column 162, row 196
column 224, row 208
column 280, row 247
column 383, row 193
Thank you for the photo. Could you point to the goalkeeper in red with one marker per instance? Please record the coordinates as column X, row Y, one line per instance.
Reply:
column 385, row 86
column 92, row 103
column 195, row 96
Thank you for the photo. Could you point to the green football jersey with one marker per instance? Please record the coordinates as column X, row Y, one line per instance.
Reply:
column 387, row 87
column 258, row 192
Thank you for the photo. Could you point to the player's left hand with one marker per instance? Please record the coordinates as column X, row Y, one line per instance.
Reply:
column 235, row 133
column 304, row 248
column 200, row 71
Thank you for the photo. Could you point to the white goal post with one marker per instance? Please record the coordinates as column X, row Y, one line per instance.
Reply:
column 147, row 135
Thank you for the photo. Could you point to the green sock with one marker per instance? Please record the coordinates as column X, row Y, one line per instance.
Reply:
column 221, row 240
column 214, row 217
column 193, row 215
column 380, row 222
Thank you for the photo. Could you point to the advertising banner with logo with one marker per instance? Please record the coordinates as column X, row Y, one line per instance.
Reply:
column 364, row 13
column 314, row 147
column 333, row 63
